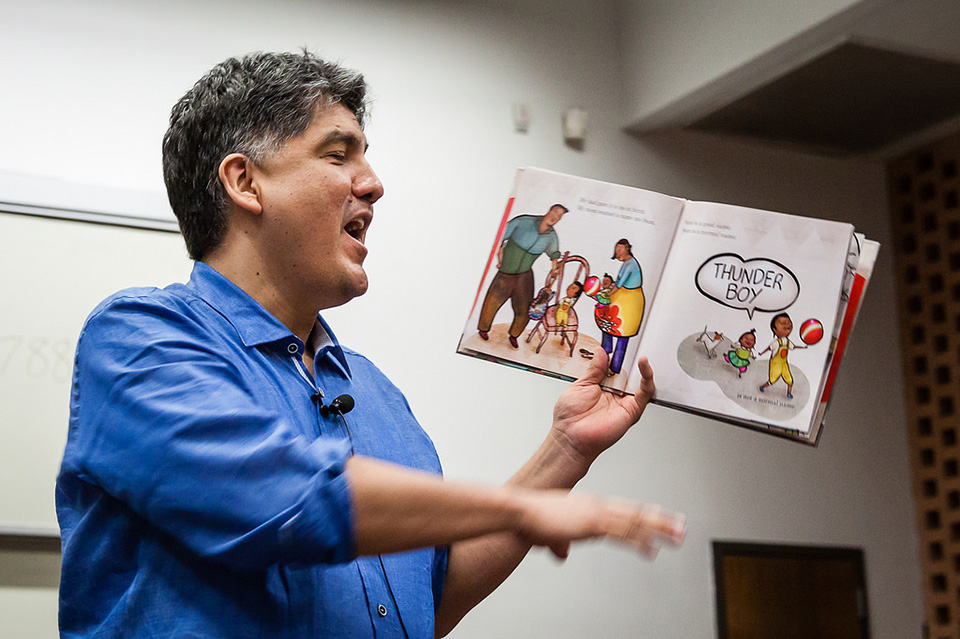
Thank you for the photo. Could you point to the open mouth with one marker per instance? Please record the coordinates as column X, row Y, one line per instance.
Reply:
column 356, row 228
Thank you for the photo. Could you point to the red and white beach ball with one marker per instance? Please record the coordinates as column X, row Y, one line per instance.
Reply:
column 811, row 331
column 591, row 286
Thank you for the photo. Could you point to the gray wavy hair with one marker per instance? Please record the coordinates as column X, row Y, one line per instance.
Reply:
column 250, row 105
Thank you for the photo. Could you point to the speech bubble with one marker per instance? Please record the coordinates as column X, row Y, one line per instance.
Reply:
column 757, row 284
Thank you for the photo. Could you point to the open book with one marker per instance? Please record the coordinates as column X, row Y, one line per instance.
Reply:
column 742, row 313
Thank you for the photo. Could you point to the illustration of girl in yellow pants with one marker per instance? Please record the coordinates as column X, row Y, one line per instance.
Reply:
column 782, row 326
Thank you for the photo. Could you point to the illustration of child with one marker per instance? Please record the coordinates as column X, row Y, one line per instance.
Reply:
column 603, row 295
column 740, row 356
column 538, row 307
column 782, row 326
column 563, row 307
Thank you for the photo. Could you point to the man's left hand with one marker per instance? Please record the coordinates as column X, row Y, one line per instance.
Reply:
column 587, row 420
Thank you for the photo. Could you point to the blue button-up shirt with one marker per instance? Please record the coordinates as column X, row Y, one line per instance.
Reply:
column 202, row 491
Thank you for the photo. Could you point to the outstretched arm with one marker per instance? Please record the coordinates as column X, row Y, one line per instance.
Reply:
column 397, row 509
column 586, row 422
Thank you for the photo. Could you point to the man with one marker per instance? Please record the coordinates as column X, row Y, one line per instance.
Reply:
column 211, row 485
column 525, row 238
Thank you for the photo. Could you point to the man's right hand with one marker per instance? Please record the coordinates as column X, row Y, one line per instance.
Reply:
column 555, row 519
column 398, row 509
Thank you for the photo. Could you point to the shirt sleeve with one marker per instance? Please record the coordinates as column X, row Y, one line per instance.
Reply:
column 553, row 246
column 167, row 425
column 510, row 228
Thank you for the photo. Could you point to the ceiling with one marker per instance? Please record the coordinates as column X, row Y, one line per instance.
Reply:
column 876, row 87
column 852, row 99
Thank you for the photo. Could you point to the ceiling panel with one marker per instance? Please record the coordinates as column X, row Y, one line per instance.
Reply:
column 853, row 99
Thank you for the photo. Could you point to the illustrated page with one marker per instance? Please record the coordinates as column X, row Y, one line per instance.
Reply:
column 573, row 270
column 743, row 307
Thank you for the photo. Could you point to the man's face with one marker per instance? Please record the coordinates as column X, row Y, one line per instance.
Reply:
column 317, row 194
column 553, row 216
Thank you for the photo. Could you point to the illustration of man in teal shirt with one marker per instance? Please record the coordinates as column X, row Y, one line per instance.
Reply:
column 525, row 238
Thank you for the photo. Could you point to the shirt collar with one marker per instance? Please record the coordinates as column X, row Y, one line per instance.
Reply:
column 324, row 343
column 253, row 323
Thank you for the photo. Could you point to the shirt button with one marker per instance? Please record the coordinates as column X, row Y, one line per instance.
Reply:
column 382, row 610
column 292, row 348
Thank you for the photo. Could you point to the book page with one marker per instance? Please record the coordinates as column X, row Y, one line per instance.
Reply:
column 573, row 270
column 744, row 304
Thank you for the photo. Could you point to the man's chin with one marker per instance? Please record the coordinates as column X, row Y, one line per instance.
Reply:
column 361, row 288
column 348, row 290
column 360, row 282
column 354, row 288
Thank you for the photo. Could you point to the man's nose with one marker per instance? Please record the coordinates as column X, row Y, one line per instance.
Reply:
column 367, row 185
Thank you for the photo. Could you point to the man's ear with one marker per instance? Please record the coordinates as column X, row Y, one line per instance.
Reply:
column 236, row 174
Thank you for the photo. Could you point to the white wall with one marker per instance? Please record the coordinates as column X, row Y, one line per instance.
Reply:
column 86, row 97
